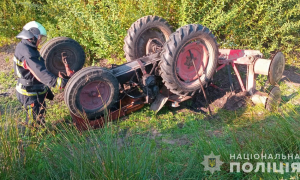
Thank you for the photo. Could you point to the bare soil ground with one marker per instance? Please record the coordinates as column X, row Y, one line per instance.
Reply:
column 291, row 76
column 6, row 65
column 219, row 95
column 6, row 57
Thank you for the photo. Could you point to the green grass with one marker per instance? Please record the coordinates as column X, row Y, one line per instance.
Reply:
column 7, row 81
column 143, row 145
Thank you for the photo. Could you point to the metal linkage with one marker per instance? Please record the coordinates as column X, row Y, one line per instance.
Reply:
column 273, row 68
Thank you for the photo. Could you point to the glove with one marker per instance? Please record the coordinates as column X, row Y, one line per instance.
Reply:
column 49, row 94
column 63, row 75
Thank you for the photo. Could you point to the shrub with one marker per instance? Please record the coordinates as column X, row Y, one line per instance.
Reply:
column 100, row 25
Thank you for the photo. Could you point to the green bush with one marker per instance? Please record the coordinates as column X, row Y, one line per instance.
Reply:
column 100, row 25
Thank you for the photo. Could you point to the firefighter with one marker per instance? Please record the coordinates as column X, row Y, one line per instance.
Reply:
column 34, row 79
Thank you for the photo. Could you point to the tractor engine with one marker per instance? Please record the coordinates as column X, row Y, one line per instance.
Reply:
column 150, row 88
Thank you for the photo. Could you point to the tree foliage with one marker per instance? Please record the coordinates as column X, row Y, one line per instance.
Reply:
column 100, row 25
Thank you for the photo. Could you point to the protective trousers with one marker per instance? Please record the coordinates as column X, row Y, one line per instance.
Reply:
column 35, row 108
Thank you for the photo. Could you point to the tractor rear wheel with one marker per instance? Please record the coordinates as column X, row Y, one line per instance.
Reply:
column 190, row 46
column 145, row 36
column 91, row 91
column 51, row 52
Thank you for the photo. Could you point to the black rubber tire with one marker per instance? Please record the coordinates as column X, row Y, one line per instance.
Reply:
column 78, row 73
column 141, row 31
column 171, row 50
column 51, row 52
column 82, row 78
column 46, row 44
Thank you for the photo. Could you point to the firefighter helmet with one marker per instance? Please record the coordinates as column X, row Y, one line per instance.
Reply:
column 33, row 29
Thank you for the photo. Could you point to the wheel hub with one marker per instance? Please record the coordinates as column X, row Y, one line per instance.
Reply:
column 276, row 68
column 57, row 62
column 154, row 45
column 94, row 95
column 273, row 100
column 193, row 53
column 150, row 39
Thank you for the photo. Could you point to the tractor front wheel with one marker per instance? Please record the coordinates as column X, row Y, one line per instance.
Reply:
column 51, row 52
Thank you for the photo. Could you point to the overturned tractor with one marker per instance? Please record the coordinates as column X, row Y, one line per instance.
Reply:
column 161, row 66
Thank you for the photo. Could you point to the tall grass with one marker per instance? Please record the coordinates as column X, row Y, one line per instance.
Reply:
column 163, row 151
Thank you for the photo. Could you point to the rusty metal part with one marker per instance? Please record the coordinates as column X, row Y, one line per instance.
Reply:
column 185, row 61
column 234, row 54
column 142, row 67
column 230, row 79
column 159, row 102
column 128, row 105
column 261, row 66
column 176, row 98
column 64, row 56
column 149, row 42
column 255, row 65
column 238, row 56
column 274, row 98
column 215, row 86
column 276, row 68
column 94, row 95
column 271, row 100
column 238, row 76
column 154, row 45
column 125, row 71
column 220, row 67
column 202, row 88
column 251, row 84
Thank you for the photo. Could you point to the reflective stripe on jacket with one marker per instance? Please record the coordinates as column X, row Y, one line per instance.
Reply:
column 30, row 66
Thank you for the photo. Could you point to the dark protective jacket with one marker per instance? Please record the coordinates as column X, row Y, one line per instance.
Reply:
column 33, row 77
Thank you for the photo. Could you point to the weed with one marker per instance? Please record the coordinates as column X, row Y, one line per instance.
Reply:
column 7, row 59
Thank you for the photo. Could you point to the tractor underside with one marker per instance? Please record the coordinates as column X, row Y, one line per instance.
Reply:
column 161, row 66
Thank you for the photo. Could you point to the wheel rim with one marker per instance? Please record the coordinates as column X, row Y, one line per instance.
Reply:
column 154, row 45
column 57, row 59
column 276, row 68
column 274, row 99
column 94, row 95
column 143, row 42
column 184, row 66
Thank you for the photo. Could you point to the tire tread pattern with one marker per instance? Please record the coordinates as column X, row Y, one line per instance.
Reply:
column 172, row 49
column 48, row 47
column 71, row 94
column 137, row 28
